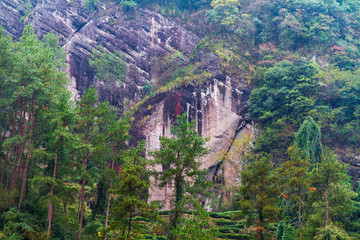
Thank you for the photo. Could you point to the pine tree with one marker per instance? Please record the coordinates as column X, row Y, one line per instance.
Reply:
column 198, row 225
column 259, row 193
column 289, row 233
column 327, row 172
column 92, row 129
column 130, row 192
column 7, row 105
column 59, row 119
column 280, row 230
column 118, row 135
column 178, row 155
column 332, row 232
column 308, row 138
column 294, row 181
column 332, row 198
column 30, row 77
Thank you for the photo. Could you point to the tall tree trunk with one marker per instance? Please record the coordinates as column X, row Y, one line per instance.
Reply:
column 82, row 200
column 260, row 235
column 11, row 149
column 19, row 148
column 51, row 204
column 129, row 226
column 7, row 184
column 178, row 195
column 65, row 213
column 109, row 196
column 19, row 172
column 7, row 152
column 4, row 168
column 327, row 206
column 26, row 167
column 299, row 192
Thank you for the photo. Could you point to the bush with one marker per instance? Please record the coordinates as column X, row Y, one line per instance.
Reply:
column 154, row 237
column 228, row 230
column 235, row 236
column 92, row 228
column 219, row 215
column 230, row 223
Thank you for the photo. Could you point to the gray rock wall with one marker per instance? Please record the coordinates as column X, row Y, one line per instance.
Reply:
column 218, row 106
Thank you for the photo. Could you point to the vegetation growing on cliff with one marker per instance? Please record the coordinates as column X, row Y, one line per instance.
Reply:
column 67, row 170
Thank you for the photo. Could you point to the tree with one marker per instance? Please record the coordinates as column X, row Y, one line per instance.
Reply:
column 285, row 231
column 308, row 138
column 327, row 172
column 259, row 193
column 225, row 13
column 178, row 156
column 332, row 197
column 93, row 119
column 198, row 225
column 118, row 135
column 31, row 76
column 332, row 232
column 61, row 118
column 7, row 105
column 281, row 103
column 131, row 196
column 294, row 181
column 285, row 94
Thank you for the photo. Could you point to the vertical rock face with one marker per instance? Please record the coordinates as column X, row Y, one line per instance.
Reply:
column 142, row 36
column 219, row 109
column 218, row 105
column 10, row 18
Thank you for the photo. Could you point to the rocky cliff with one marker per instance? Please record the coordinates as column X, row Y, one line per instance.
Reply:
column 215, row 100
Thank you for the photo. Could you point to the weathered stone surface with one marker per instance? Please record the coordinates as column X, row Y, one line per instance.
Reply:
column 10, row 18
column 215, row 108
column 218, row 106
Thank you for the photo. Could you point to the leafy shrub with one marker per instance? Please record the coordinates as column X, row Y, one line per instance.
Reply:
column 235, row 236
column 92, row 228
column 219, row 215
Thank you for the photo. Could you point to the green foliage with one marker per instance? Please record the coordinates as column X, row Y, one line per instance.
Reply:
column 294, row 180
column 291, row 25
column 17, row 225
column 283, row 100
column 92, row 228
column 179, row 154
column 332, row 197
column 130, row 191
column 196, row 226
column 129, row 4
column 289, row 233
column 280, row 230
column 225, row 13
column 109, row 67
column 91, row 5
column 338, row 107
column 308, row 138
column 259, row 193
column 219, row 215
column 182, row 5
column 235, row 236
column 78, row 143
column 332, row 232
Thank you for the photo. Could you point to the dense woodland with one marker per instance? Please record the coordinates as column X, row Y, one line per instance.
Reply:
column 68, row 172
